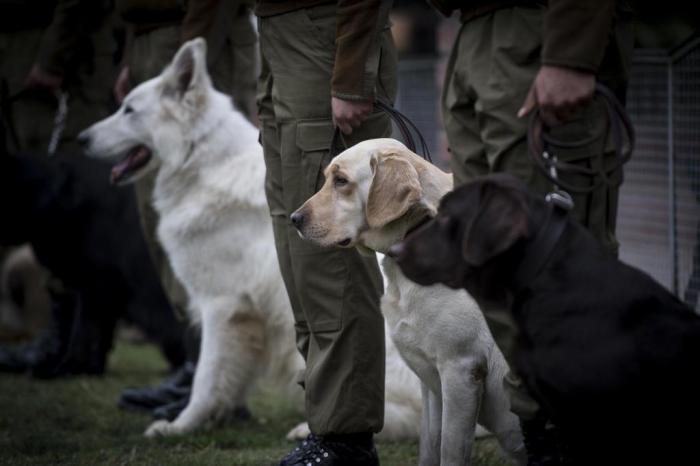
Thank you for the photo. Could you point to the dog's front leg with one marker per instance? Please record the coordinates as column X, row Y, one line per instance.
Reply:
column 431, row 426
column 462, row 389
column 229, row 361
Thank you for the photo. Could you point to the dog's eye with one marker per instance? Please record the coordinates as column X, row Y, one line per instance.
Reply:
column 443, row 221
column 339, row 181
column 128, row 109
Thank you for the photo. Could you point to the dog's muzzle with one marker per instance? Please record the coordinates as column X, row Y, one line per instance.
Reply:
column 297, row 219
column 135, row 159
column 395, row 251
column 84, row 139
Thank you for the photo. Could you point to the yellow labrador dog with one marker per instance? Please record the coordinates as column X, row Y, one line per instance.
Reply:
column 374, row 194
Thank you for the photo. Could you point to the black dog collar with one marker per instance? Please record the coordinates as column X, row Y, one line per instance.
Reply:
column 538, row 252
column 420, row 223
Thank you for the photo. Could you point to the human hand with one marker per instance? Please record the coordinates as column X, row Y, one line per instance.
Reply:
column 349, row 114
column 558, row 92
column 121, row 86
column 40, row 79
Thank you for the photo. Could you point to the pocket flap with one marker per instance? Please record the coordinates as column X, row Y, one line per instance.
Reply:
column 314, row 135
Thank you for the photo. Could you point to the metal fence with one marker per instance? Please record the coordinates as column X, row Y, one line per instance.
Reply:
column 660, row 200
column 659, row 211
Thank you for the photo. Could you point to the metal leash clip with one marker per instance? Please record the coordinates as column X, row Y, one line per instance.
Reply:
column 604, row 169
column 59, row 123
column 558, row 197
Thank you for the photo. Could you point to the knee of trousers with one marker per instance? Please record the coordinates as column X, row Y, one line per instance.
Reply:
column 334, row 287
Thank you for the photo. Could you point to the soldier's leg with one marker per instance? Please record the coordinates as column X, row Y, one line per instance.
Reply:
column 469, row 151
column 29, row 114
column 32, row 113
column 484, row 89
column 233, row 62
column 514, row 52
column 245, row 65
column 269, row 138
column 511, row 41
column 337, row 289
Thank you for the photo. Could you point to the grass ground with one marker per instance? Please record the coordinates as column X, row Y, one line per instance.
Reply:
column 75, row 422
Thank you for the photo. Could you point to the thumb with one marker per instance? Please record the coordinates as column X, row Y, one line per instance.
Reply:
column 529, row 104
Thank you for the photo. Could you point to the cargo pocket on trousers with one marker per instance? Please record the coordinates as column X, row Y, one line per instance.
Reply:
column 320, row 273
column 313, row 139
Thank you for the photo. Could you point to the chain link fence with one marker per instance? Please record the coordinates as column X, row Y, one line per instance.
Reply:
column 659, row 217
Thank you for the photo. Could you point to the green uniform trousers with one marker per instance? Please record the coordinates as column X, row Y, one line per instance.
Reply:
column 493, row 63
column 334, row 292
column 232, row 68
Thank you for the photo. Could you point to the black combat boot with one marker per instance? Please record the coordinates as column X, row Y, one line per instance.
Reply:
column 334, row 450
column 66, row 347
column 81, row 343
column 175, row 389
column 171, row 410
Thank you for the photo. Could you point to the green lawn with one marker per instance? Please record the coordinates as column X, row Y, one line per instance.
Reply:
column 75, row 422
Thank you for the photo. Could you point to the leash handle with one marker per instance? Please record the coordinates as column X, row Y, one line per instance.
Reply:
column 542, row 147
column 403, row 123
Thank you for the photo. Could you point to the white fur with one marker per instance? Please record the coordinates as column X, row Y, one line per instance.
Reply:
column 216, row 229
column 441, row 333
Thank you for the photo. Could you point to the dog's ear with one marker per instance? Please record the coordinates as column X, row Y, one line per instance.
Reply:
column 501, row 219
column 395, row 188
column 188, row 69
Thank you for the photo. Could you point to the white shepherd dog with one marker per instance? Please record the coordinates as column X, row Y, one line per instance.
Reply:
column 216, row 229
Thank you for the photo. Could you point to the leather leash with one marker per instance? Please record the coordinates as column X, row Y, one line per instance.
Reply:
column 542, row 245
column 403, row 123
column 543, row 147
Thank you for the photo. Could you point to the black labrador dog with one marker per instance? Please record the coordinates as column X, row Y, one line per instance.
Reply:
column 88, row 235
column 612, row 356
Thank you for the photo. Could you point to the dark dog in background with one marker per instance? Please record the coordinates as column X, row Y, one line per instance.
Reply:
column 88, row 236
column 611, row 355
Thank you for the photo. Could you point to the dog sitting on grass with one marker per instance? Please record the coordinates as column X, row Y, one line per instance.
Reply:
column 609, row 353
column 215, row 226
column 375, row 193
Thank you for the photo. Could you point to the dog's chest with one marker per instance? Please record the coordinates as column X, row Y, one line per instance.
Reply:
column 407, row 341
column 411, row 334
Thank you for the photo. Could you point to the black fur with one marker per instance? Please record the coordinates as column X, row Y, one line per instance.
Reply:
column 612, row 356
column 87, row 233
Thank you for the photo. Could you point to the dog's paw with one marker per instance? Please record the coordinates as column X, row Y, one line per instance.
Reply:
column 482, row 432
column 161, row 428
column 300, row 432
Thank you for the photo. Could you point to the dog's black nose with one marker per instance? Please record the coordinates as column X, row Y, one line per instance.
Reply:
column 395, row 251
column 297, row 220
column 83, row 139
